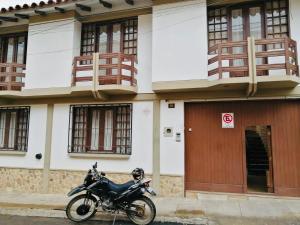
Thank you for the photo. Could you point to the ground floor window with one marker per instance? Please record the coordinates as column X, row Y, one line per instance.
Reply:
column 100, row 129
column 14, row 128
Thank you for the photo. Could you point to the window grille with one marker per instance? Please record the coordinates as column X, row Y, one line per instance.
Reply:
column 14, row 125
column 100, row 129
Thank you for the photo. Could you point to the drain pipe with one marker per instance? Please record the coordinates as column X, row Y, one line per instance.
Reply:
column 252, row 88
column 254, row 73
column 94, row 90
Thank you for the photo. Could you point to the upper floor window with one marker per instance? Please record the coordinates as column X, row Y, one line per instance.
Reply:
column 266, row 19
column 100, row 129
column 14, row 124
column 13, row 48
column 110, row 37
column 12, row 60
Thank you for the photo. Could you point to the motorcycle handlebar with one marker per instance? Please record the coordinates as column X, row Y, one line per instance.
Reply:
column 96, row 174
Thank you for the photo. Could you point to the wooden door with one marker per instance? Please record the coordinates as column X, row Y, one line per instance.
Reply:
column 215, row 157
column 109, row 41
column 245, row 21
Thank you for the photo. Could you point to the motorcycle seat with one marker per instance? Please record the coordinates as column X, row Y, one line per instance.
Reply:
column 120, row 187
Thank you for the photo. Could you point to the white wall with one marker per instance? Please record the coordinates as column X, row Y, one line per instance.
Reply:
column 141, row 143
column 36, row 141
column 171, row 151
column 50, row 51
column 144, row 65
column 179, row 41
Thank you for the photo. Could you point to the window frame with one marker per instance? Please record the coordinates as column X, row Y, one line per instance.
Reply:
column 3, row 46
column 94, row 29
column 86, row 128
column 264, row 23
column 25, row 110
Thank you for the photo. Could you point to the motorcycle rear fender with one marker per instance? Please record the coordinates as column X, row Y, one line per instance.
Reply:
column 76, row 190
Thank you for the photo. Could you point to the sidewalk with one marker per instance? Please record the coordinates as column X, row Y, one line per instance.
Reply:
column 204, row 208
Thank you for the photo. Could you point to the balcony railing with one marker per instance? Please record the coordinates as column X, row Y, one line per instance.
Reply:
column 264, row 57
column 11, row 76
column 109, row 68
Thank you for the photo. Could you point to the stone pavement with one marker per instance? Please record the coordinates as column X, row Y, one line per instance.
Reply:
column 203, row 208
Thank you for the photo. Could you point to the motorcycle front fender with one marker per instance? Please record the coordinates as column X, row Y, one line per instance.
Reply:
column 76, row 190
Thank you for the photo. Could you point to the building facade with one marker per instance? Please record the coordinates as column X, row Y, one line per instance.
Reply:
column 201, row 94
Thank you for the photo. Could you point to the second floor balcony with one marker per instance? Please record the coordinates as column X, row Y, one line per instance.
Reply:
column 266, row 63
column 111, row 73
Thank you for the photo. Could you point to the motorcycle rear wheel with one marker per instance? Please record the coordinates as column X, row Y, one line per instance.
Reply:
column 88, row 208
column 141, row 205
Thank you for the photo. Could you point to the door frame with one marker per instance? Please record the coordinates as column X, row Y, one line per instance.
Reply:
column 245, row 8
column 246, row 23
column 271, row 165
column 15, row 36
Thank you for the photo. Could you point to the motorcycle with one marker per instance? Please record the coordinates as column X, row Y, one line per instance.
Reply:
column 102, row 193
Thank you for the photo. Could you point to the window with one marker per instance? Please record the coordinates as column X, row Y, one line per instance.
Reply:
column 277, row 18
column 268, row 19
column 110, row 37
column 100, row 129
column 277, row 21
column 14, row 128
column 217, row 26
column 13, row 48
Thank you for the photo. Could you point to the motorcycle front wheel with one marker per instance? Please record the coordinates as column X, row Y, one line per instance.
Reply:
column 141, row 211
column 81, row 208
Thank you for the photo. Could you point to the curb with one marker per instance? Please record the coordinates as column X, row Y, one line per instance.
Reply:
column 58, row 211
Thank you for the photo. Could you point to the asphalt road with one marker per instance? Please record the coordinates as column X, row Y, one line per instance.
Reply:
column 21, row 220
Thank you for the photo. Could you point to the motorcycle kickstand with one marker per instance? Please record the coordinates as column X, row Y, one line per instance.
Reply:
column 114, row 218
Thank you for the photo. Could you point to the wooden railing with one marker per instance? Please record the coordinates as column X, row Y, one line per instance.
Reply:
column 271, row 50
column 232, row 59
column 225, row 53
column 11, row 75
column 109, row 68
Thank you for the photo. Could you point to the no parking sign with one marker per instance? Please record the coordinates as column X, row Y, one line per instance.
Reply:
column 227, row 120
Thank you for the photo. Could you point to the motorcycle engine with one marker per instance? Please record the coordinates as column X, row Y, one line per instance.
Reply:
column 107, row 205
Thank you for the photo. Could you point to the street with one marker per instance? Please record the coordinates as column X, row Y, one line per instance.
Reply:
column 28, row 220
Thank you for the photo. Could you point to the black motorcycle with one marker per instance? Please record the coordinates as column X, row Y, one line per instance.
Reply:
column 102, row 193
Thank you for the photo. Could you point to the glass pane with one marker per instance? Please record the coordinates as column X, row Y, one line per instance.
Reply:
column 21, row 46
column 255, row 22
column 108, row 130
column 116, row 45
column 237, row 25
column 2, row 128
column 237, row 33
column 1, row 49
column 10, row 50
column 103, row 39
column 12, row 130
column 95, row 130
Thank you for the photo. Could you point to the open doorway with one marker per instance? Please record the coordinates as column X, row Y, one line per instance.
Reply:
column 259, row 159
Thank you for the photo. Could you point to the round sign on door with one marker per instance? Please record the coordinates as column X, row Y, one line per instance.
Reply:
column 227, row 120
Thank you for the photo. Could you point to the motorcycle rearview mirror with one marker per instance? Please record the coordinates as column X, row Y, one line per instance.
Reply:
column 95, row 166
